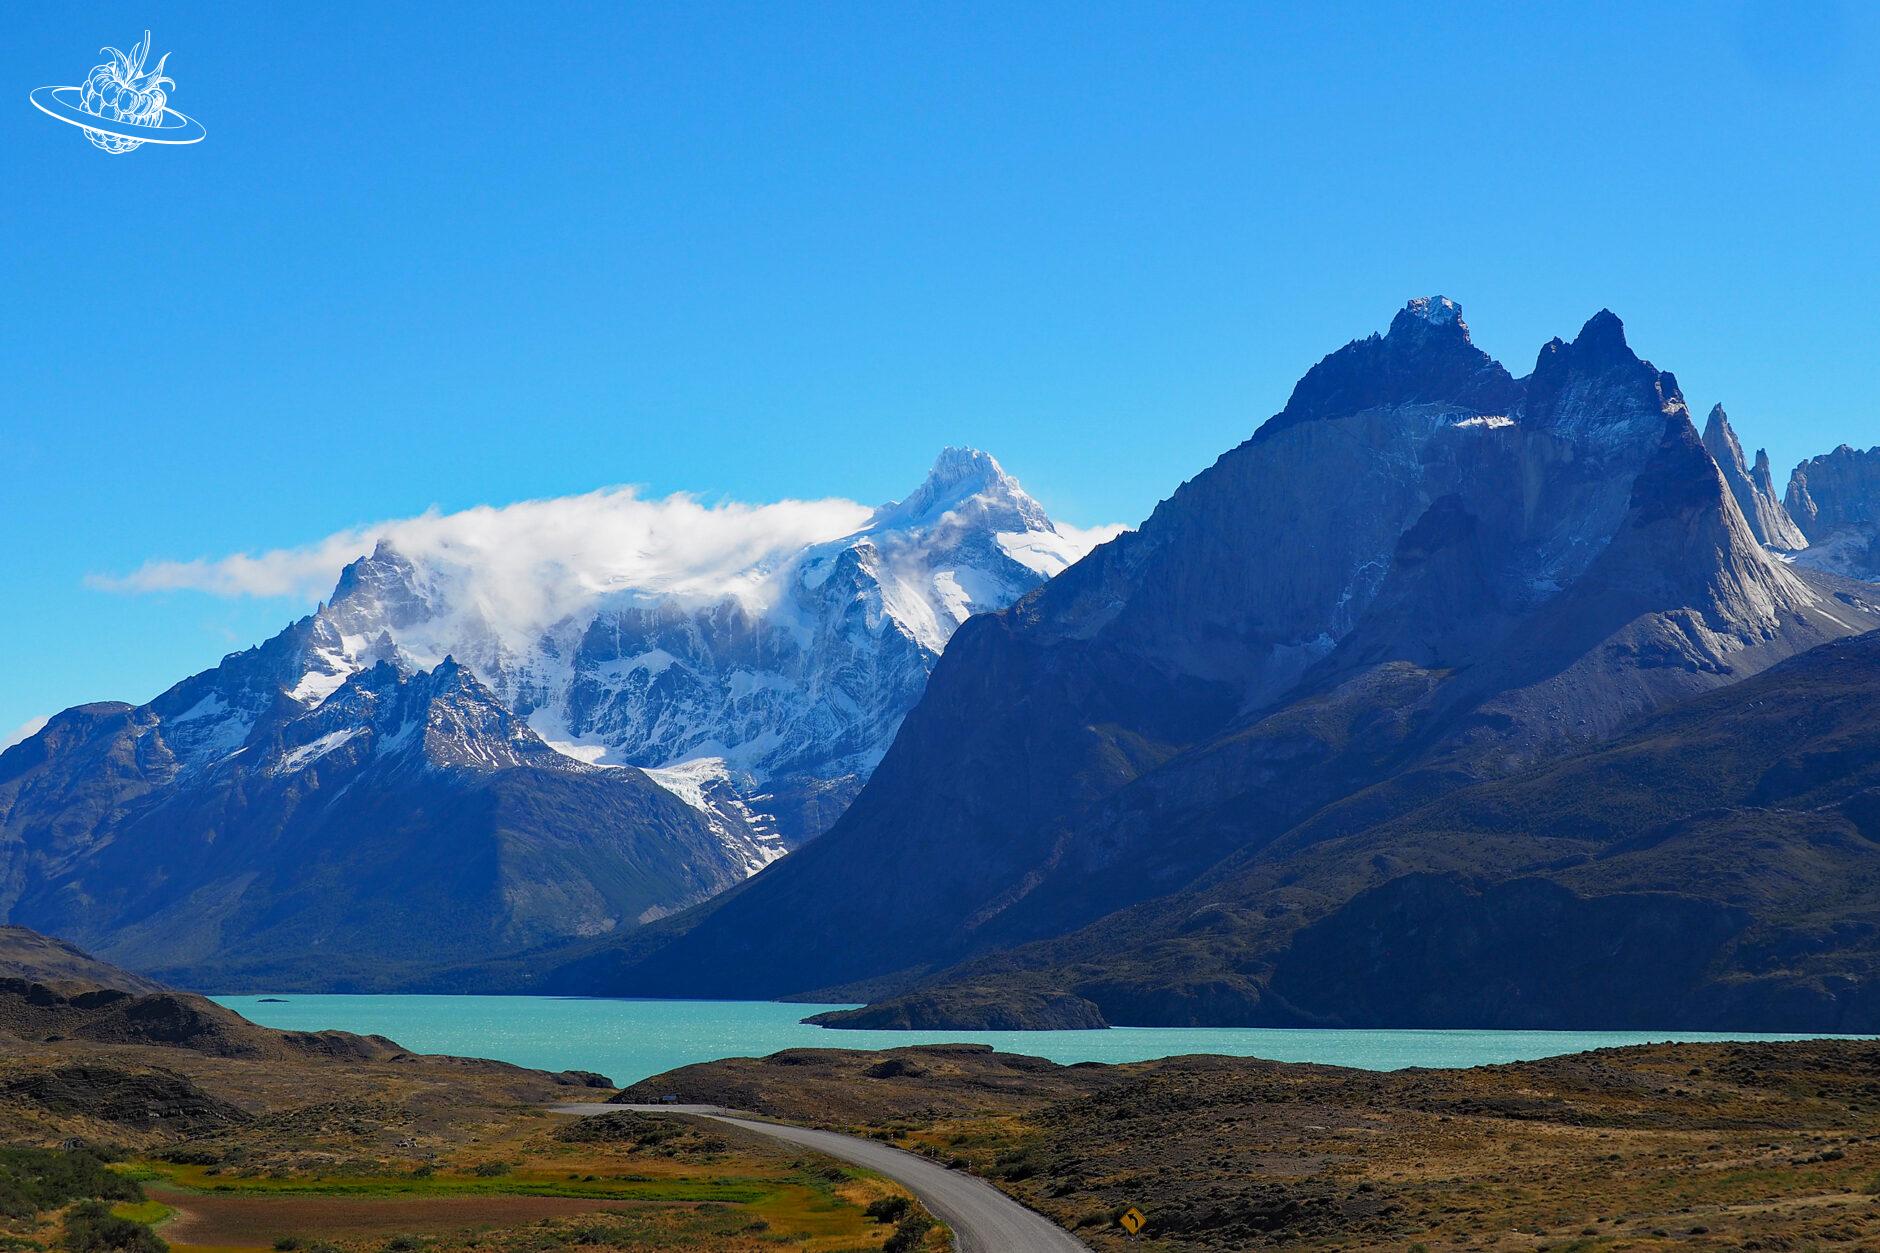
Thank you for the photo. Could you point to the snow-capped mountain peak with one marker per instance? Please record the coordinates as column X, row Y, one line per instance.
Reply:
column 965, row 480
column 775, row 672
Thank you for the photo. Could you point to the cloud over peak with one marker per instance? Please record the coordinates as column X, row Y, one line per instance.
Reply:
column 552, row 552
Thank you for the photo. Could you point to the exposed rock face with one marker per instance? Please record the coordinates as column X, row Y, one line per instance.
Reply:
column 143, row 1100
column 226, row 834
column 1514, row 567
column 1835, row 499
column 1753, row 489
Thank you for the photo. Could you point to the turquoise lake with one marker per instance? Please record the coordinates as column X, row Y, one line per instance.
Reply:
column 632, row 1040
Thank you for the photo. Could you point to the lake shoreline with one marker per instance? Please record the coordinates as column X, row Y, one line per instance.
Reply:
column 631, row 1040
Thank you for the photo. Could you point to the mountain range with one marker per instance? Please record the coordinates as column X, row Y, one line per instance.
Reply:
column 306, row 813
column 1181, row 782
column 1450, row 697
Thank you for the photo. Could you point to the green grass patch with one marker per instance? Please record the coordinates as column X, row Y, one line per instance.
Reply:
column 149, row 1213
column 91, row 1228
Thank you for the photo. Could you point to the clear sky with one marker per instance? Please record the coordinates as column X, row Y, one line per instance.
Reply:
column 439, row 255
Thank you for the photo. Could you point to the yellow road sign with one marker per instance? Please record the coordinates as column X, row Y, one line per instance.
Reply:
column 1132, row 1220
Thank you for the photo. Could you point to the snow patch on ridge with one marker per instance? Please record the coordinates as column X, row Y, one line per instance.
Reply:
column 304, row 756
column 706, row 784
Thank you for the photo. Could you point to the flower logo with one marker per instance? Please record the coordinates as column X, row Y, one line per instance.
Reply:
column 122, row 105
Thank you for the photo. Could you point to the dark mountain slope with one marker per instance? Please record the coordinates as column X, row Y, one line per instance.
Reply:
column 1459, row 576
column 403, row 822
column 1717, row 867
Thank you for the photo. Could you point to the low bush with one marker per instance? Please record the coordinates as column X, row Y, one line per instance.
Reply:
column 1017, row 1164
column 92, row 1228
column 889, row 1209
column 910, row 1235
column 34, row 1180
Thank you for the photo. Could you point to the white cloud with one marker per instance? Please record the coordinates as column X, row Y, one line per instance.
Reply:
column 1085, row 538
column 520, row 569
column 307, row 571
column 534, row 562
column 25, row 731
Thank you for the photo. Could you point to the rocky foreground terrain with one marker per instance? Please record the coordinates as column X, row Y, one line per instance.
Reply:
column 130, row 1118
column 1694, row 1146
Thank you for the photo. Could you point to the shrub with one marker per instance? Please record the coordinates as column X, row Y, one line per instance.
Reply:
column 1016, row 1164
column 192, row 1156
column 910, row 1235
column 287, row 1244
column 490, row 1170
column 91, row 1228
column 32, row 1180
column 889, row 1209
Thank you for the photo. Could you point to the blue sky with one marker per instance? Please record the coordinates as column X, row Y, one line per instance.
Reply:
column 451, row 255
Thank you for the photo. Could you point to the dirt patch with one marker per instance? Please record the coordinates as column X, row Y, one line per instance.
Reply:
column 260, row 1220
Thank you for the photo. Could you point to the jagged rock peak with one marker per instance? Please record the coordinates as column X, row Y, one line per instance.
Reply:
column 380, row 588
column 1755, row 494
column 1721, row 439
column 1426, row 358
column 1597, row 386
column 1835, row 501
column 1603, row 337
column 1599, row 346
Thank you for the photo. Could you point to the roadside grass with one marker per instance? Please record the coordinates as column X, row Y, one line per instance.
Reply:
column 737, row 1200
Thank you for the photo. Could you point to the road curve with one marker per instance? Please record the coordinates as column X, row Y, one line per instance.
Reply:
column 984, row 1219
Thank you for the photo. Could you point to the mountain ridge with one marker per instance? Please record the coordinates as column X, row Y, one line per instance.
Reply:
column 1517, row 567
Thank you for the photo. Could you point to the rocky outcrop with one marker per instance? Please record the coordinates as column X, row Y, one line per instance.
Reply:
column 138, row 1099
column 971, row 1009
column 1835, row 499
column 1753, row 489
